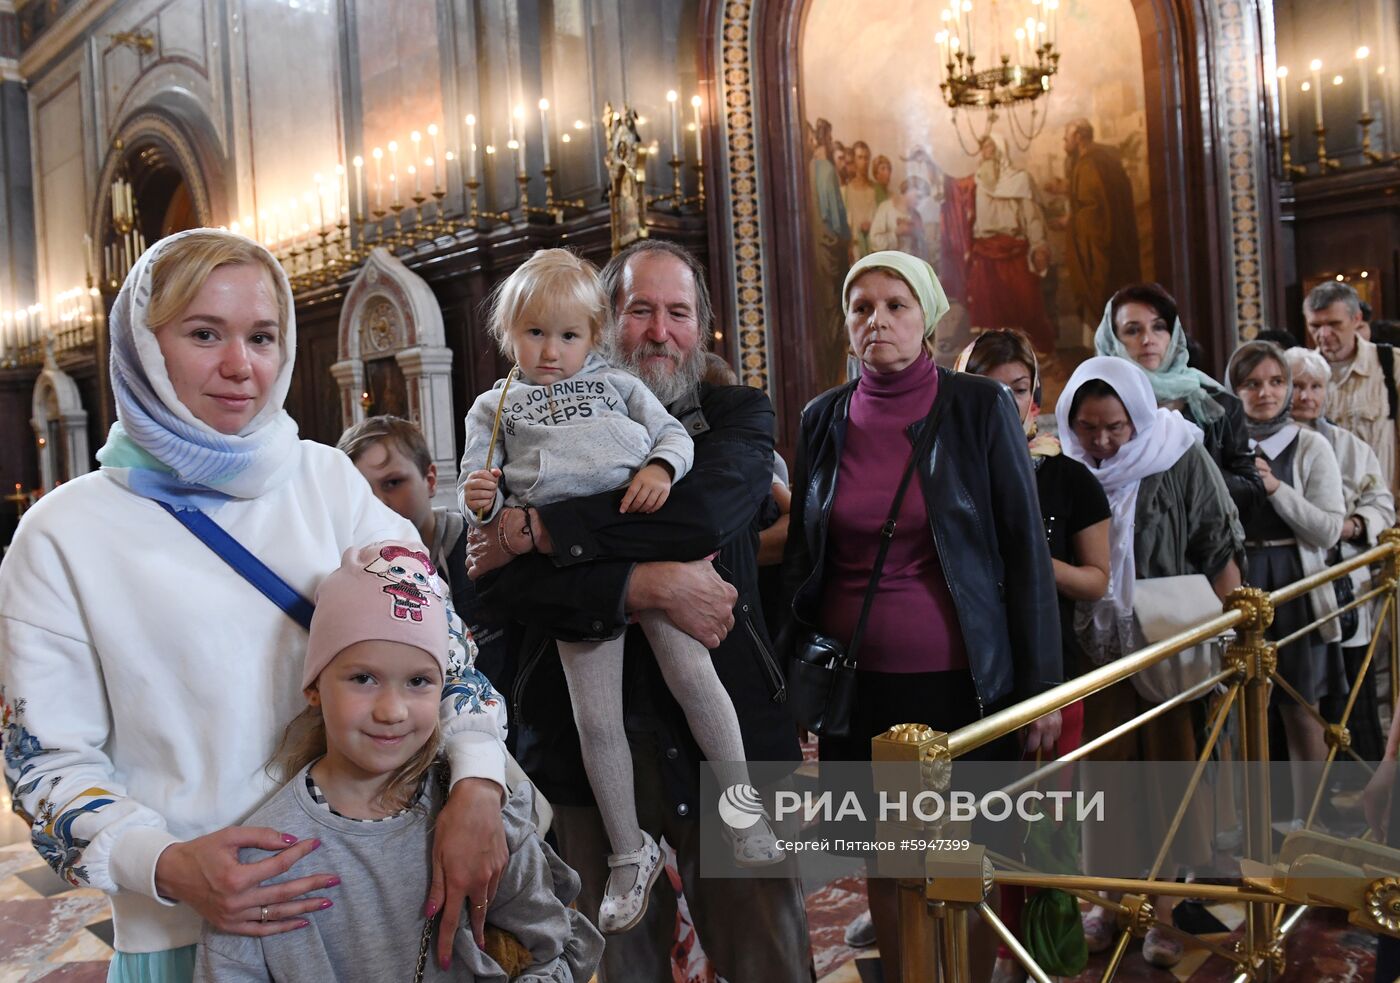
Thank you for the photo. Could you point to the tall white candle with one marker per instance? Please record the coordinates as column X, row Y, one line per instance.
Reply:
column 519, row 114
column 699, row 134
column 320, row 203
column 378, row 156
column 417, row 139
column 357, row 188
column 671, row 99
column 432, row 140
column 394, row 169
column 1362, row 53
column 1283, row 98
column 1316, row 67
column 469, row 151
column 544, row 129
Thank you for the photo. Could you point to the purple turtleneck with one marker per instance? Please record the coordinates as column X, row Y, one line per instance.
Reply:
column 913, row 626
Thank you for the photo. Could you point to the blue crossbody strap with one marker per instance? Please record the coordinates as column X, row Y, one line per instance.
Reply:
column 257, row 573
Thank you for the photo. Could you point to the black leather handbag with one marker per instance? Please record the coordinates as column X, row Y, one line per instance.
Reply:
column 1346, row 593
column 822, row 673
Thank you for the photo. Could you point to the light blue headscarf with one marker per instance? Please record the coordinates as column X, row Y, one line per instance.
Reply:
column 1173, row 379
column 157, row 447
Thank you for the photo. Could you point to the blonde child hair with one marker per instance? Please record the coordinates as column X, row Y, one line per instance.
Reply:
column 550, row 282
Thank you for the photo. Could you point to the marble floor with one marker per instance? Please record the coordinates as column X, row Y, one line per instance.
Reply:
column 52, row 932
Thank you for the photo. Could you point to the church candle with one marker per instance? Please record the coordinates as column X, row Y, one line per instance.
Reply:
column 699, row 140
column 544, row 129
column 672, row 97
column 1362, row 54
column 469, row 152
column 1316, row 67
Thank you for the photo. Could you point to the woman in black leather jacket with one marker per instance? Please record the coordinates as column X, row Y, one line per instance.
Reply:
column 965, row 618
column 1141, row 324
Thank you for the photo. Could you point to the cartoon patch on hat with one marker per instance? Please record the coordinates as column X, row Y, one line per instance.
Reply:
column 410, row 575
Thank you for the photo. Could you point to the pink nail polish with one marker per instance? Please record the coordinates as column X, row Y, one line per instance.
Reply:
column 303, row 923
column 430, row 909
column 332, row 882
column 288, row 839
column 315, row 844
column 445, row 963
column 326, row 903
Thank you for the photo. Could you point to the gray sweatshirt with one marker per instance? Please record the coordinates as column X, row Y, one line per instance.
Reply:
column 586, row 434
column 372, row 932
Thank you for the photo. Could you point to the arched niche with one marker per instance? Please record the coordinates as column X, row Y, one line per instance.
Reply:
column 392, row 355
column 60, row 426
column 165, row 158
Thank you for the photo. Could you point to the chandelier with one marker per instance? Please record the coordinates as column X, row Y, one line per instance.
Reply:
column 1017, row 39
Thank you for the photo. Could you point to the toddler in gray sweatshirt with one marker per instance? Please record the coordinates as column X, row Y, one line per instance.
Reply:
column 573, row 426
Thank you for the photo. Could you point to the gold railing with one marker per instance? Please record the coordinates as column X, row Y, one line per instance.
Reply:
column 1310, row 869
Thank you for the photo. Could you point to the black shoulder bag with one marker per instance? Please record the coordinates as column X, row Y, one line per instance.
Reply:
column 822, row 674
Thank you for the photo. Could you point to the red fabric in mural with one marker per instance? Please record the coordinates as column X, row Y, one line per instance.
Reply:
column 1002, row 292
column 959, row 207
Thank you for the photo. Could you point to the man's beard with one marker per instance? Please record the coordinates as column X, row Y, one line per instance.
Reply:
column 667, row 385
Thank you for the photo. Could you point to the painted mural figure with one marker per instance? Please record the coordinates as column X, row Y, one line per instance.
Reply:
column 1101, row 230
column 1009, row 253
column 860, row 198
column 897, row 223
column 831, row 251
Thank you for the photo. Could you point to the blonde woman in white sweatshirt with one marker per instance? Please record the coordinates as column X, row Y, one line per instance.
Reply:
column 145, row 682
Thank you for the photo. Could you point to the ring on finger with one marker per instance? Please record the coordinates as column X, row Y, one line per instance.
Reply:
column 264, row 914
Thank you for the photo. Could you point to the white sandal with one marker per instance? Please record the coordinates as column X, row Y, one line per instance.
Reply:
column 755, row 846
column 620, row 912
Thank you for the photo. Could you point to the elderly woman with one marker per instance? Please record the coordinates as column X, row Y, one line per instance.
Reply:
column 962, row 619
column 1171, row 516
column 1288, row 538
column 1140, row 323
column 1369, row 508
column 146, row 682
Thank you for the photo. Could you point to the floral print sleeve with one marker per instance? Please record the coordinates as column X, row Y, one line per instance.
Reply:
column 61, row 784
column 473, row 713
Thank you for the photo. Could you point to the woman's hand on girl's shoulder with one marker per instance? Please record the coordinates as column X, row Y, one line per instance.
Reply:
column 206, row 874
column 469, row 855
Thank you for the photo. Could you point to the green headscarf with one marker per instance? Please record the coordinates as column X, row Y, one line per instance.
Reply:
column 913, row 271
column 1173, row 379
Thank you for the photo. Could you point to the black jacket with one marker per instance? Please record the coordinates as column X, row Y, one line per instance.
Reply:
column 579, row 594
column 1226, row 440
column 979, row 488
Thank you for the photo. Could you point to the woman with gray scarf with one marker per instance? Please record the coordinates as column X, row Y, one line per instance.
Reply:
column 1287, row 538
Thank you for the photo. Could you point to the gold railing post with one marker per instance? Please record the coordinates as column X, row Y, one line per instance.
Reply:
column 920, row 954
column 1255, row 658
column 1390, row 574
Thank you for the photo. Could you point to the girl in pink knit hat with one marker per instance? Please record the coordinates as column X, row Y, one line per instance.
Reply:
column 364, row 778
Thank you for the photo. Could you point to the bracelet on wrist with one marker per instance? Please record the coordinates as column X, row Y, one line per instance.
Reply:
column 502, row 539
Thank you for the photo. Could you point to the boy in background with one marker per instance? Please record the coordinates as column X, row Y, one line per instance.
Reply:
column 394, row 458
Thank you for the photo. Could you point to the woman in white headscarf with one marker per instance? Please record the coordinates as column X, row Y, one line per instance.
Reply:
column 145, row 681
column 1369, row 508
column 1171, row 516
